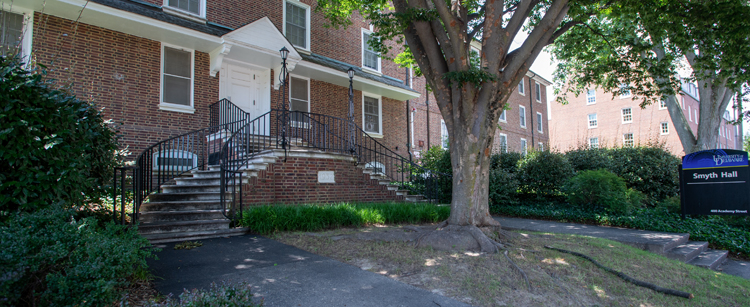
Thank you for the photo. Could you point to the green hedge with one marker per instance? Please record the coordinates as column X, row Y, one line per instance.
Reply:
column 713, row 229
column 269, row 218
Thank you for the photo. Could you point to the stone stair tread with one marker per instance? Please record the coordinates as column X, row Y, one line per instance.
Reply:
column 687, row 251
column 710, row 259
column 181, row 211
column 180, row 223
column 167, row 237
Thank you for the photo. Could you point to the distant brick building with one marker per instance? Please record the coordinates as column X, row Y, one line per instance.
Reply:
column 599, row 119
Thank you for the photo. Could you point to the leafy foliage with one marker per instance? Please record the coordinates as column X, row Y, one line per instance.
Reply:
column 53, row 146
column 224, row 294
column 601, row 189
column 503, row 187
column 270, row 219
column 49, row 258
column 544, row 173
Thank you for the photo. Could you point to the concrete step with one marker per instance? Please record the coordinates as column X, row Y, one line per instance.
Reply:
column 384, row 181
column 402, row 192
column 413, row 198
column 156, row 206
column 393, row 187
column 183, row 226
column 710, row 259
column 192, row 181
column 182, row 215
column 687, row 251
column 196, row 188
column 210, row 173
column 206, row 196
column 157, row 238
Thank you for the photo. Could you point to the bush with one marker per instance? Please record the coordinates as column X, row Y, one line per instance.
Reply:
column 603, row 189
column 217, row 295
column 49, row 258
column 506, row 161
column 503, row 188
column 583, row 159
column 438, row 160
column 543, row 173
column 651, row 170
column 53, row 147
column 270, row 219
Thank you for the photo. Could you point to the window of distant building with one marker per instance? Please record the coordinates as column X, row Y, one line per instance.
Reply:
column 191, row 7
column 372, row 114
column 624, row 90
column 443, row 134
column 538, row 92
column 503, row 117
column 524, row 150
column 592, row 121
column 593, row 142
column 539, row 125
column 521, row 87
column 627, row 140
column 541, row 146
column 664, row 128
column 503, row 143
column 297, row 23
column 370, row 58
column 299, row 98
column 591, row 96
column 16, row 29
column 627, row 115
column 663, row 104
column 177, row 79
column 522, row 116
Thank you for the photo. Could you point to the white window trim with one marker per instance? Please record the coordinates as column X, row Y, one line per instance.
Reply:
column 539, row 125
column 587, row 97
column 524, row 149
column 522, row 123
column 661, row 129
column 505, row 115
column 630, row 92
column 522, row 87
column 362, row 40
column 443, row 137
column 506, row 142
column 665, row 104
column 186, row 14
column 295, row 124
column 380, row 114
column 307, row 22
column 28, row 29
column 624, row 140
column 591, row 143
column 172, row 106
column 538, row 91
column 588, row 121
column 622, row 115
column 541, row 146
column 175, row 154
column 690, row 114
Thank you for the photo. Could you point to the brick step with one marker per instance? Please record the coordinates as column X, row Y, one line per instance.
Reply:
column 183, row 226
column 157, row 238
column 687, row 251
column 206, row 196
column 181, row 215
column 155, row 206
column 710, row 259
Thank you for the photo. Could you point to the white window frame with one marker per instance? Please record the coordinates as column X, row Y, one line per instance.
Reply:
column 630, row 114
column 625, row 86
column 683, row 103
column 541, row 146
column 503, row 116
column 183, row 13
column 524, row 146
column 662, row 104
column 444, row 138
column 538, row 91
column 539, row 125
column 362, row 40
column 625, row 140
column 595, row 120
column 590, row 99
column 521, row 122
column 500, row 143
column 307, row 22
column 299, row 124
column 521, row 88
column 173, row 106
column 664, row 128
column 176, row 154
column 690, row 114
column 378, row 134
column 592, row 143
column 695, row 111
column 28, row 29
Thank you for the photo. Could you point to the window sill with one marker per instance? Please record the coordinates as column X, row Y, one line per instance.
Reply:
column 176, row 108
column 592, row 127
column 371, row 71
column 374, row 135
column 303, row 50
column 183, row 14
column 522, row 94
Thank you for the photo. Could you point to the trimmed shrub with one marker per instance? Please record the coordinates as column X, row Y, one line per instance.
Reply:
column 53, row 146
column 590, row 159
column 543, row 173
column 602, row 189
column 651, row 170
column 48, row 258
column 506, row 161
column 438, row 160
column 503, row 188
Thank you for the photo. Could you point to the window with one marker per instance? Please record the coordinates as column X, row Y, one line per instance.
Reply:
column 695, row 111
column 538, row 92
column 174, row 160
column 372, row 115
column 627, row 140
column 592, row 121
column 297, row 24
column 690, row 114
column 503, row 143
column 523, row 147
column 194, row 7
column 522, row 116
column 663, row 104
column 370, row 58
column 299, row 98
column 539, row 125
column 503, row 117
column 624, row 90
column 521, row 89
column 627, row 115
column 443, row 134
column 593, row 142
column 177, row 79
column 541, row 146
column 591, row 96
column 15, row 32
column 664, row 128
column 683, row 103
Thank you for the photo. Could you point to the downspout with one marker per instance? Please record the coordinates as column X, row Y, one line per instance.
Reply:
column 532, row 91
column 427, row 103
column 408, row 109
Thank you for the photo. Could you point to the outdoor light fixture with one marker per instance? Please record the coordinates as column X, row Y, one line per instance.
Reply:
column 351, row 110
column 351, row 73
column 284, row 53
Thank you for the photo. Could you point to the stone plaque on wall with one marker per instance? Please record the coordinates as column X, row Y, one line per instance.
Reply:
column 326, row 177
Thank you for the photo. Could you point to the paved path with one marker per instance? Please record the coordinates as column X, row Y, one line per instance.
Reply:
column 653, row 241
column 283, row 275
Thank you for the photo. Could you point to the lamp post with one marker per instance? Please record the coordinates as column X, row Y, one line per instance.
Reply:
column 351, row 110
column 283, row 79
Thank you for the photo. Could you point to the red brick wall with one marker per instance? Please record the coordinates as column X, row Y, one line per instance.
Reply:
column 121, row 74
column 296, row 181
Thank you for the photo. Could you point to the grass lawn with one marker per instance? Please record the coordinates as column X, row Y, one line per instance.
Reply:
column 557, row 279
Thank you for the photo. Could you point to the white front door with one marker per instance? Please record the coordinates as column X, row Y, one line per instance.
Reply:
column 249, row 89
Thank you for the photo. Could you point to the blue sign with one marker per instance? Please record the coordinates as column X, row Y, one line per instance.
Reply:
column 714, row 158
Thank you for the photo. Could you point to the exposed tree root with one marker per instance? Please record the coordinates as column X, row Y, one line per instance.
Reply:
column 469, row 237
column 626, row 277
column 519, row 270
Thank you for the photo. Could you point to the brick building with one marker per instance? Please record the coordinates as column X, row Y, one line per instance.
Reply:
column 599, row 119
